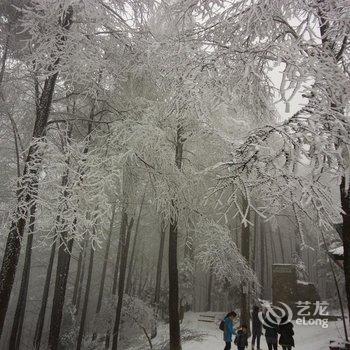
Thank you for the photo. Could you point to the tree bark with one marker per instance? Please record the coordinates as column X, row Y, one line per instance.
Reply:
column 86, row 299
column 17, row 325
column 210, row 284
column 26, row 195
column 174, row 320
column 105, row 260
column 44, row 299
column 81, row 280
column 122, row 274
column 262, row 259
column 104, row 268
column 245, row 250
column 132, row 256
column 281, row 245
column 78, row 276
column 63, row 261
column 273, row 248
column 160, row 263
column 123, row 227
column 41, row 317
column 345, row 202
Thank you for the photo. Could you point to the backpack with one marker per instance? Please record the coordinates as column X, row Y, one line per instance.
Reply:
column 222, row 325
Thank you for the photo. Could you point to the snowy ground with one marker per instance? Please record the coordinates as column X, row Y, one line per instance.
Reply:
column 199, row 335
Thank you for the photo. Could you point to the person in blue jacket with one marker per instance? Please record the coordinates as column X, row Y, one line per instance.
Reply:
column 229, row 329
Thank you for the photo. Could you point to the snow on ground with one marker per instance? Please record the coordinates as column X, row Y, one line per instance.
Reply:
column 199, row 335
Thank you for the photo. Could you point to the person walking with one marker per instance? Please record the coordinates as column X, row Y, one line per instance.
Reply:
column 241, row 340
column 256, row 328
column 229, row 329
column 285, row 329
column 271, row 331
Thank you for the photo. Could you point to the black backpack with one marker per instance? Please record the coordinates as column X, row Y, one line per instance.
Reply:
column 222, row 325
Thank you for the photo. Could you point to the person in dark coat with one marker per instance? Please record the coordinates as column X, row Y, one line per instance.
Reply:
column 285, row 329
column 241, row 340
column 256, row 328
column 229, row 329
column 271, row 331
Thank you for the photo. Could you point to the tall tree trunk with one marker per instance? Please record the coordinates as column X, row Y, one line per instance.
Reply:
column 119, row 253
column 174, row 321
column 345, row 202
column 132, row 256
column 78, row 275
column 273, row 248
column 122, row 274
column 105, row 260
column 104, row 268
column 63, row 261
column 245, row 250
column 86, row 299
column 141, row 273
column 64, row 256
column 262, row 259
column 160, row 263
column 123, row 228
column 281, row 245
column 17, row 326
column 81, row 280
column 26, row 195
column 210, row 286
column 266, row 251
column 44, row 299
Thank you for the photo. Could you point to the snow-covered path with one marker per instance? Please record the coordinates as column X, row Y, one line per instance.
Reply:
column 207, row 336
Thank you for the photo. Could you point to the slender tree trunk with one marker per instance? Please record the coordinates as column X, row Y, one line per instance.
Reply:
column 273, row 248
column 17, row 326
column 86, row 299
column 44, row 299
column 174, row 320
column 104, row 268
column 119, row 253
column 81, row 280
column 141, row 273
column 281, row 245
column 267, row 265
column 78, row 275
column 262, row 258
column 336, row 287
column 160, row 263
column 63, row 261
column 345, row 202
column 132, row 256
column 245, row 250
column 210, row 286
column 26, row 195
column 122, row 275
column 123, row 228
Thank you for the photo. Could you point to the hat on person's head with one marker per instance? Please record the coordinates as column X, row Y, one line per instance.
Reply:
column 232, row 314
